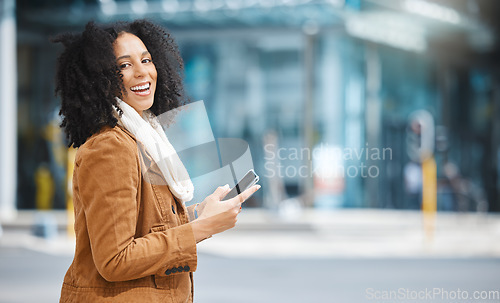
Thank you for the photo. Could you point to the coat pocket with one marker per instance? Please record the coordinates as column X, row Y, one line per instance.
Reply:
column 158, row 228
column 162, row 282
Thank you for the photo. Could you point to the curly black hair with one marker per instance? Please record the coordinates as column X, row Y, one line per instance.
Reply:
column 88, row 78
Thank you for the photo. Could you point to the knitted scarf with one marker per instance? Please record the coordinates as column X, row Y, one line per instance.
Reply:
column 148, row 130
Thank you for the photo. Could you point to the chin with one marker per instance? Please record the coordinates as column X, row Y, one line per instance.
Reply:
column 143, row 105
column 149, row 106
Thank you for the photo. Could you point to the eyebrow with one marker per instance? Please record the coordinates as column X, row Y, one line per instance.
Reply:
column 128, row 56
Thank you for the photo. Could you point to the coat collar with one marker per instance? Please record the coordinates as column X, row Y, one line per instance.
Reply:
column 126, row 131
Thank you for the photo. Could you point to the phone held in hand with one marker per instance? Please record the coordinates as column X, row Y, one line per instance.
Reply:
column 246, row 182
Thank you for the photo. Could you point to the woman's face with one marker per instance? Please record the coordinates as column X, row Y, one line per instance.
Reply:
column 138, row 70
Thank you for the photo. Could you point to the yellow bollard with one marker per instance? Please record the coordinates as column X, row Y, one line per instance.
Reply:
column 69, row 192
column 44, row 187
column 429, row 196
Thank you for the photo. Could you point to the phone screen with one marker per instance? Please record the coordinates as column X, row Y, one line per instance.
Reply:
column 246, row 182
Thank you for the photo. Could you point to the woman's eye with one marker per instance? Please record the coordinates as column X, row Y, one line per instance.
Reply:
column 124, row 65
column 146, row 61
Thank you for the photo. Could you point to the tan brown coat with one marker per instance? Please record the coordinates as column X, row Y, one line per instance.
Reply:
column 133, row 243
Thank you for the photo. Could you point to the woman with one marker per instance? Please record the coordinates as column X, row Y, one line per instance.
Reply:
column 135, row 238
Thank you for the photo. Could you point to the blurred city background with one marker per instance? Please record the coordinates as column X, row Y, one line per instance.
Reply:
column 373, row 124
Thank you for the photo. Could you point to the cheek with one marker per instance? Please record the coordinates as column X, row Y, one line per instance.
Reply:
column 154, row 73
column 126, row 75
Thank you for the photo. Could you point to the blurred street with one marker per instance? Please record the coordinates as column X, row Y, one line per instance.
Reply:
column 338, row 256
column 29, row 276
column 358, row 115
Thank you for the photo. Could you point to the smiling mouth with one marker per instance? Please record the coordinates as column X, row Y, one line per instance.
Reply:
column 142, row 90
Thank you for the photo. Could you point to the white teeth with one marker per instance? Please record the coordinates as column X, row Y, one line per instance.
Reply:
column 140, row 87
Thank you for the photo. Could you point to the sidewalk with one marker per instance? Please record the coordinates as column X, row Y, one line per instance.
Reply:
column 359, row 233
column 342, row 233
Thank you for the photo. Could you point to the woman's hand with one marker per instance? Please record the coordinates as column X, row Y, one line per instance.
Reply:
column 216, row 216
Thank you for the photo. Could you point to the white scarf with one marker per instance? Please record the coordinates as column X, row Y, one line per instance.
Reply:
column 157, row 145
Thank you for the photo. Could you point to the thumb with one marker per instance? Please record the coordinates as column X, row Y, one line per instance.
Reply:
column 221, row 191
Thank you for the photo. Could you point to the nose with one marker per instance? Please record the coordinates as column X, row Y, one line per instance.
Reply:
column 139, row 70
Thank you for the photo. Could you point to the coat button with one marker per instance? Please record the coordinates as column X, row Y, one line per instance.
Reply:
column 180, row 269
column 174, row 270
column 168, row 271
column 186, row 268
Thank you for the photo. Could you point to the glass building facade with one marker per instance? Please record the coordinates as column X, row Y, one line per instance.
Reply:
column 323, row 91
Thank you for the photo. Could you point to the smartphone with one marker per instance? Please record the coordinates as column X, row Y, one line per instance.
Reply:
column 246, row 182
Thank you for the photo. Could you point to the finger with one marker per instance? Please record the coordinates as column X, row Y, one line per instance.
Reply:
column 224, row 194
column 221, row 191
column 246, row 194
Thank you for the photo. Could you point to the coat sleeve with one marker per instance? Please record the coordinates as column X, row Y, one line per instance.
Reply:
column 109, row 174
